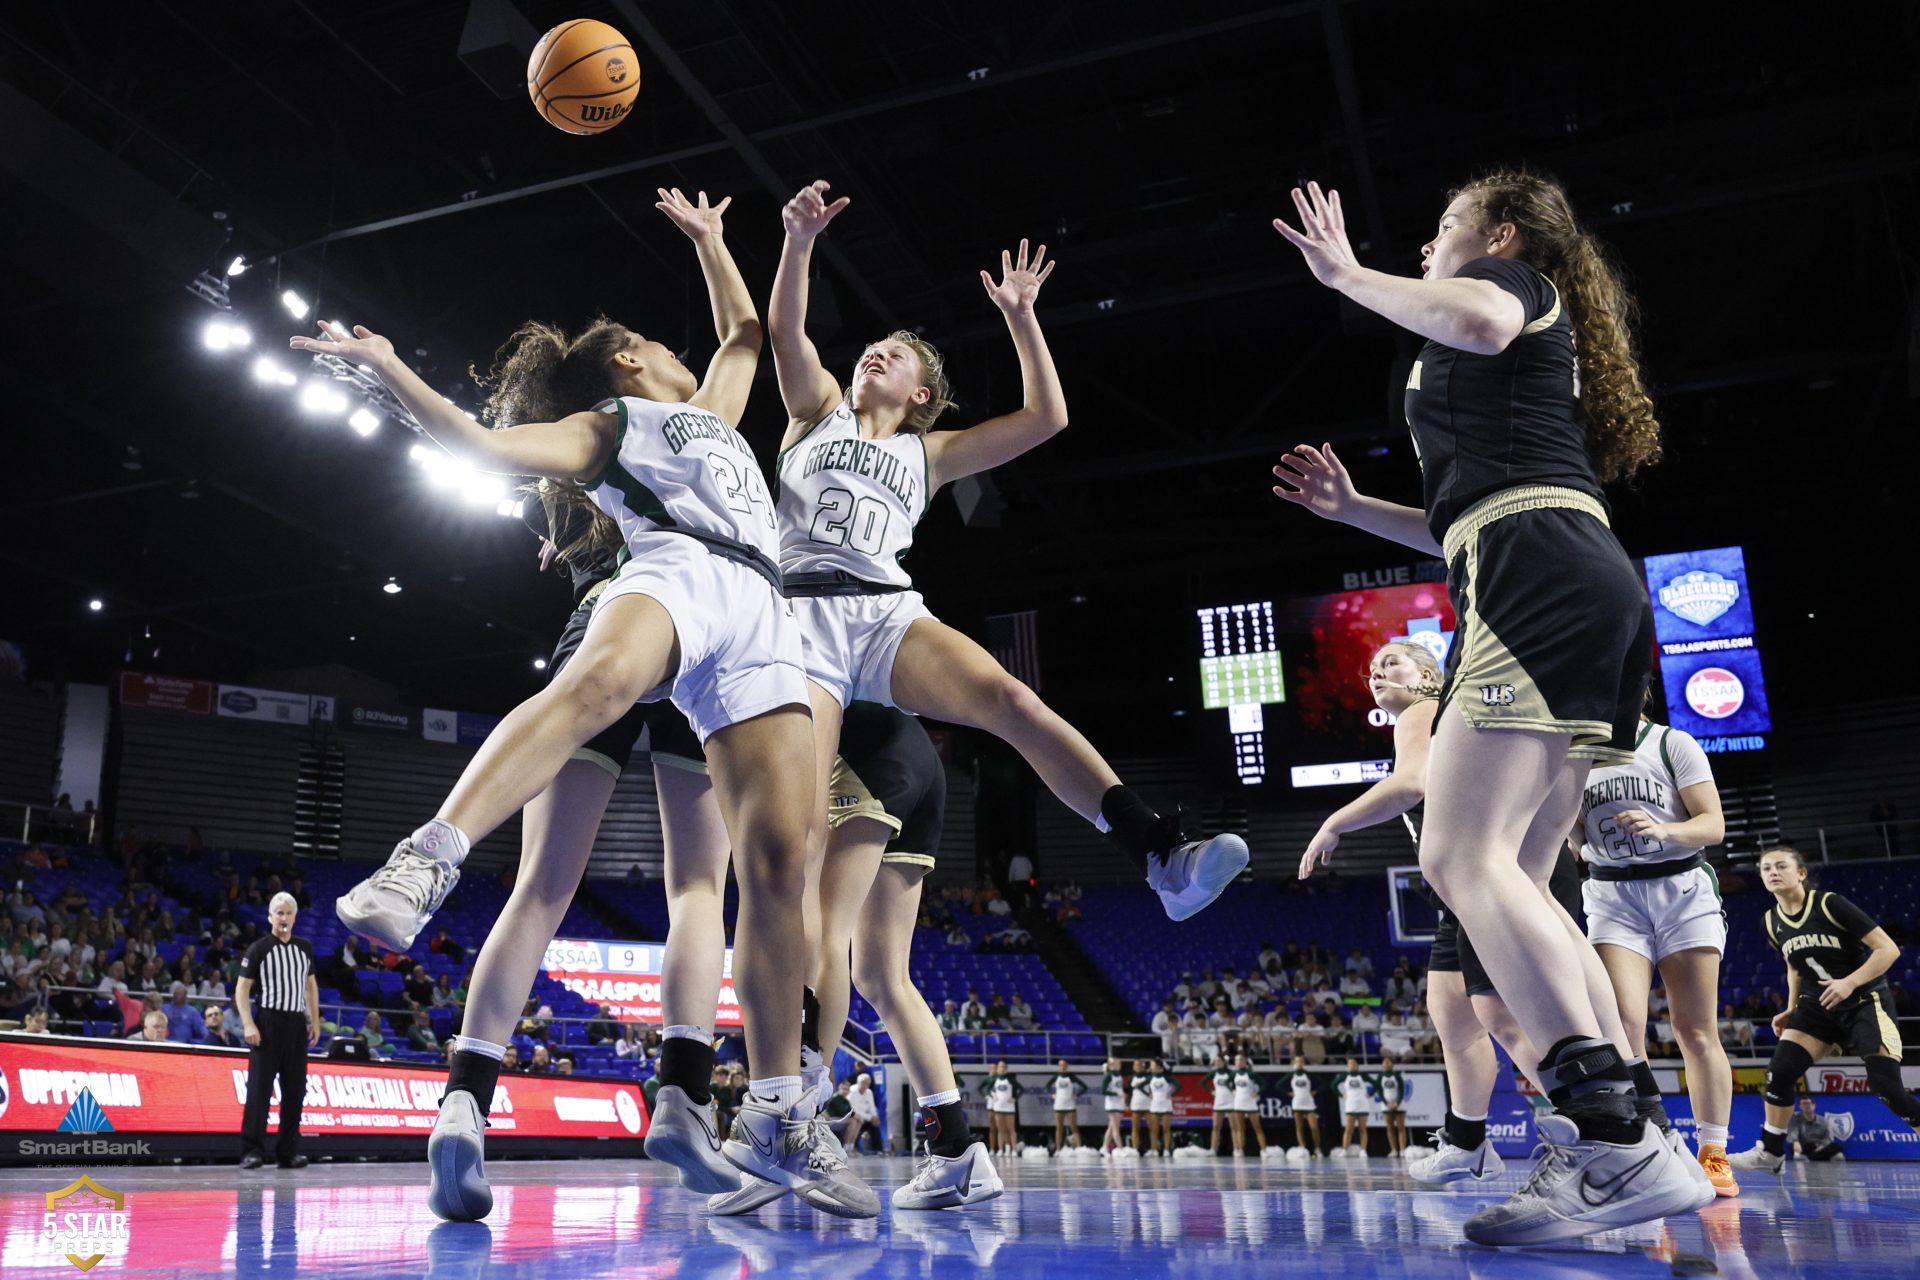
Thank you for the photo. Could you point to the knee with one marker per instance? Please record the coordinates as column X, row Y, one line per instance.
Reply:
column 601, row 685
column 1790, row 1062
column 1010, row 702
column 1438, row 872
column 1697, row 1038
column 773, row 862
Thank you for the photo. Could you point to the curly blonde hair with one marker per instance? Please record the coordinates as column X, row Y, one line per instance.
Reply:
column 1622, row 432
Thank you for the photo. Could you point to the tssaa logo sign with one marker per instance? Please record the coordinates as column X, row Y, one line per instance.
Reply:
column 1709, row 662
column 1715, row 692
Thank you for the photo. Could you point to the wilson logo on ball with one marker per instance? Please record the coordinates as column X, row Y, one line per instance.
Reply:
column 1715, row 692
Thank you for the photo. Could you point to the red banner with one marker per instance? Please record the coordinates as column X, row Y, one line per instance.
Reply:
column 166, row 693
column 184, row 1090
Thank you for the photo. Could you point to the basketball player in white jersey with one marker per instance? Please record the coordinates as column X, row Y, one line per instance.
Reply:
column 857, row 467
column 1653, row 901
column 695, row 615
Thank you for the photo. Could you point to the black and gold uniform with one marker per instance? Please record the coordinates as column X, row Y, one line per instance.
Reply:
column 1825, row 941
column 1453, row 950
column 1554, row 631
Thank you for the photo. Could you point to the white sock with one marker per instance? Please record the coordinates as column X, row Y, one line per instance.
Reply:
column 486, row 1048
column 441, row 839
column 783, row 1091
column 939, row 1099
column 1770, row 1129
column 686, row 1032
column 1711, row 1135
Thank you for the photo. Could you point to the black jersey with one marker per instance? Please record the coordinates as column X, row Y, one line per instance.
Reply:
column 1485, row 423
column 1826, row 940
column 570, row 522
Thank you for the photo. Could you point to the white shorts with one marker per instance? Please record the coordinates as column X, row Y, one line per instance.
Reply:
column 1114, row 1104
column 1160, row 1110
column 1140, row 1103
column 1222, row 1104
column 1657, row 918
column 852, row 640
column 1245, row 1104
column 740, row 650
column 999, row 1110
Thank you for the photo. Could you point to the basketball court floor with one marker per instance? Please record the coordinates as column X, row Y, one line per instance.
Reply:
column 606, row 1219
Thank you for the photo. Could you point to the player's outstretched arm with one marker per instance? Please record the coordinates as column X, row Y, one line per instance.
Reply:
column 1043, row 411
column 1317, row 480
column 574, row 448
column 806, row 387
column 736, row 322
column 1386, row 799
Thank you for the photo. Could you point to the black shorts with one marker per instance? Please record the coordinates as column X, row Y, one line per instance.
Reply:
column 670, row 738
column 1859, row 1027
column 889, row 771
column 1453, row 950
column 1554, row 627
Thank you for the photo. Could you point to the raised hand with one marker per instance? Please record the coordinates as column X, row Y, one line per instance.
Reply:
column 808, row 213
column 1020, row 280
column 698, row 220
column 1322, row 238
column 362, row 346
column 1319, row 850
column 1317, row 480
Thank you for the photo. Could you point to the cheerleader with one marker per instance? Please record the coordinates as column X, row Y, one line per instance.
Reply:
column 1246, row 1107
column 1113, row 1100
column 1306, row 1110
column 1390, row 1086
column 1065, row 1087
column 1161, row 1087
column 1140, row 1105
column 1356, row 1102
column 1221, row 1078
column 1002, row 1093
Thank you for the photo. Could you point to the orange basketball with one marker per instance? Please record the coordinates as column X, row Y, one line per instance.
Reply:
column 583, row 76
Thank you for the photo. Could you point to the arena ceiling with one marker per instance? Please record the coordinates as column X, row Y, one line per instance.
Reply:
column 1757, row 174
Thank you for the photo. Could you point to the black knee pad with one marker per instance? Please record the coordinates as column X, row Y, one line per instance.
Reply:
column 1790, row 1062
column 1883, row 1074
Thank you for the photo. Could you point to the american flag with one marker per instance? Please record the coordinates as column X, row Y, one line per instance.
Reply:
column 1014, row 641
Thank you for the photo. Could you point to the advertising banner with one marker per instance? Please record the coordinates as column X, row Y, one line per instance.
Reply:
column 245, row 703
column 1709, row 662
column 382, row 719
column 625, row 978
column 66, row 1097
column 439, row 726
column 166, row 693
column 472, row 727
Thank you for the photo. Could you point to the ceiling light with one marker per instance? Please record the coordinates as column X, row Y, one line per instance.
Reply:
column 96, row 604
column 296, row 306
column 511, row 508
column 321, row 398
column 392, row 588
column 238, row 267
column 364, row 421
column 539, row 664
column 483, row 490
column 266, row 369
column 218, row 336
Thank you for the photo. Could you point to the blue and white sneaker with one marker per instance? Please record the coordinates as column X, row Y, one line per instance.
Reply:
column 457, row 1156
column 684, row 1134
column 391, row 906
column 1191, row 875
column 796, row 1149
column 947, row 1182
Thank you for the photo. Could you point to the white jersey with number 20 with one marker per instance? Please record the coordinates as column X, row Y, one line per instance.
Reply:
column 850, row 504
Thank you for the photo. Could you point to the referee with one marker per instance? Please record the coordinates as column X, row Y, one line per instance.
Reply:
column 282, row 966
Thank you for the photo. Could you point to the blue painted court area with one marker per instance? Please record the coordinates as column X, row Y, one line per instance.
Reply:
column 589, row 1219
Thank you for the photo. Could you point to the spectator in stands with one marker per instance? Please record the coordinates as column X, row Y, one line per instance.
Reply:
column 1069, row 911
column 950, row 1017
column 542, row 1063
column 1340, row 1038
column 373, row 1031
column 1358, row 962
column 36, row 1022
column 1420, row 1027
column 421, row 1034
column 211, row 987
column 219, row 1034
column 1269, row 956
column 1366, row 1022
column 1019, row 880
column 184, row 1023
column 1183, row 989
column 418, row 988
column 444, row 944
column 1401, row 991
column 153, row 1028
column 510, row 1061
column 297, row 889
column 24, row 909
column 1735, row 1032
column 957, row 937
column 630, row 1044
column 347, row 963
column 62, row 819
column 152, row 978
column 564, row 1067
column 115, row 980
column 999, row 906
column 996, row 1011
column 1354, row 986
column 1020, row 1014
column 1279, row 1030
column 1310, row 1038
column 1233, row 990
column 59, row 946
column 1396, row 1037
column 838, row 1110
column 600, row 1029
column 442, row 995
column 1166, row 1026
column 1012, row 938
column 534, row 1023
column 866, row 1112
column 973, row 1011
column 1207, row 988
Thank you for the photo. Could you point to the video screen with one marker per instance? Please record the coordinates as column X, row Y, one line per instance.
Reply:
column 1709, row 661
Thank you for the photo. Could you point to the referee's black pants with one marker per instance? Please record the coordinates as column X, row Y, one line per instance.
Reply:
column 281, row 1054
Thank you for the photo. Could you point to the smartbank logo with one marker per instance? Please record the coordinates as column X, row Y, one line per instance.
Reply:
column 84, row 1118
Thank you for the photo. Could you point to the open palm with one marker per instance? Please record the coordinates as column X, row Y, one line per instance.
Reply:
column 808, row 213
column 1317, row 480
column 698, row 220
column 362, row 346
column 1020, row 280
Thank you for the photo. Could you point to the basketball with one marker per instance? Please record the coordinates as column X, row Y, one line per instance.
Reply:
column 583, row 77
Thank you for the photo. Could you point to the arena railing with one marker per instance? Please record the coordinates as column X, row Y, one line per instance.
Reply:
column 55, row 826
column 1868, row 841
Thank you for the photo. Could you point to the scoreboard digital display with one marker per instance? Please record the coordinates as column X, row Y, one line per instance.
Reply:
column 1240, row 671
column 1709, row 660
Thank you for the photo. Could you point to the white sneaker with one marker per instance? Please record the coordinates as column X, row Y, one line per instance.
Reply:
column 684, row 1135
column 753, row 1193
column 1272, row 1153
column 1757, row 1159
column 1582, row 1186
column 1126, row 1154
column 393, row 905
column 1338, row 1153
column 1448, row 1163
column 1356, row 1152
column 1296, row 1155
column 456, row 1154
column 796, row 1148
column 947, row 1182
column 1192, row 875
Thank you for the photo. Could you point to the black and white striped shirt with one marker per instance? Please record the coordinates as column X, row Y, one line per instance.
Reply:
column 279, row 971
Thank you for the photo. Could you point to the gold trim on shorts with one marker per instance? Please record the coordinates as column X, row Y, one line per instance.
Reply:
column 924, row 861
column 849, row 798
column 1889, row 1029
column 1487, row 669
column 605, row 761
